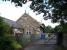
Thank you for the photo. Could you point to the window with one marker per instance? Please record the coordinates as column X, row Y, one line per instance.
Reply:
column 27, row 33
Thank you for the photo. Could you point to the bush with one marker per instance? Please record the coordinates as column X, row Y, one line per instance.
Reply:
column 7, row 42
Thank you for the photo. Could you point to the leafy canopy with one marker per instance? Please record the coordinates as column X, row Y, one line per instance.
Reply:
column 57, row 7
column 46, row 29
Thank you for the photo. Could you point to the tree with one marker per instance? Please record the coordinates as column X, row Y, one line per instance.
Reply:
column 17, row 2
column 46, row 29
column 42, row 28
column 7, row 42
column 60, row 29
column 59, row 14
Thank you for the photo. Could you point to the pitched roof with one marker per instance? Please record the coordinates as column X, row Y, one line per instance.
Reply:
column 27, row 21
column 15, row 24
column 27, row 15
column 11, row 23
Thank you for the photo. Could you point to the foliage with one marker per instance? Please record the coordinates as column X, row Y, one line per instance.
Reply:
column 42, row 27
column 46, row 29
column 61, row 28
column 49, row 29
column 59, row 13
column 57, row 7
column 18, row 2
column 7, row 42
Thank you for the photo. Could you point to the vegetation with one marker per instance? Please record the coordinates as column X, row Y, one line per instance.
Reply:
column 7, row 42
column 60, row 30
column 46, row 29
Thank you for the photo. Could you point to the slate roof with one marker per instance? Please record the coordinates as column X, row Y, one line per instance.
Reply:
column 11, row 23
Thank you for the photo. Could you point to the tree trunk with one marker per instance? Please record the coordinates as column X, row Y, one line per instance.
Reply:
column 59, row 38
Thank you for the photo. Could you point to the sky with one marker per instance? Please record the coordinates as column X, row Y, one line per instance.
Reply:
column 9, row 11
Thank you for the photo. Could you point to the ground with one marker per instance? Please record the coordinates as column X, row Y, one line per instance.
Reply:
column 43, row 45
column 48, row 44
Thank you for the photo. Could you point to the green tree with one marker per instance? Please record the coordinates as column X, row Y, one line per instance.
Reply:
column 60, row 29
column 59, row 14
column 7, row 42
column 46, row 29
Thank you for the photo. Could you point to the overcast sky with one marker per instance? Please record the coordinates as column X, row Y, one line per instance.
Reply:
column 8, row 10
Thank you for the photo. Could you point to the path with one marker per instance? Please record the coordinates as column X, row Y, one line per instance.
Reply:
column 43, row 45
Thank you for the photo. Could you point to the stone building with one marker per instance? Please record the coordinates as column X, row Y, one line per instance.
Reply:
column 25, row 29
column 29, row 24
column 31, row 29
column 26, row 24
